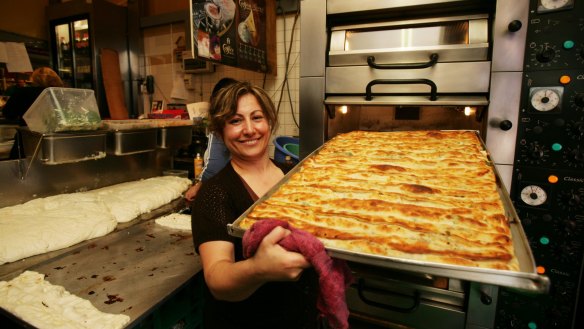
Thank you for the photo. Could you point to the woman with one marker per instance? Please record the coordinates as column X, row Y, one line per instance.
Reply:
column 23, row 98
column 274, row 288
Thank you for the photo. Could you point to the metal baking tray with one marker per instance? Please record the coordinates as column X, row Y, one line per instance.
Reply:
column 174, row 137
column 526, row 278
column 64, row 147
column 123, row 142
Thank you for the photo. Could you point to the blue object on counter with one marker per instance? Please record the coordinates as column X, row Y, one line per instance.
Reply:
column 281, row 152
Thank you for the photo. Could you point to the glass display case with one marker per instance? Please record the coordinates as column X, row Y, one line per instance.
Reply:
column 79, row 31
column 73, row 52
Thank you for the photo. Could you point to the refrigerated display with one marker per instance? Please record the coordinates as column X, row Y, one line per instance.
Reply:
column 79, row 31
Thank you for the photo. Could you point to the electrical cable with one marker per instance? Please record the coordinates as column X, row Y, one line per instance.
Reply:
column 285, row 83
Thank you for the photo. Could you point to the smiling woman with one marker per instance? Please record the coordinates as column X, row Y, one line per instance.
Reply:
column 241, row 291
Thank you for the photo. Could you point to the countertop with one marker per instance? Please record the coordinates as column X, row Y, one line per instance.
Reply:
column 130, row 271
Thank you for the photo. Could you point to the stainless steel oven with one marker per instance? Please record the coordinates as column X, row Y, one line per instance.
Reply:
column 402, row 65
column 411, row 65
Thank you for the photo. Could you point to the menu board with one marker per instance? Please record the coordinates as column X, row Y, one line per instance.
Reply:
column 230, row 32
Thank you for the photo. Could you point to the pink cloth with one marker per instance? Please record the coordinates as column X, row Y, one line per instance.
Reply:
column 334, row 274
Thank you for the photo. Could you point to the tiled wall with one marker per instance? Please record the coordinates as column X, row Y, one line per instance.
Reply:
column 159, row 43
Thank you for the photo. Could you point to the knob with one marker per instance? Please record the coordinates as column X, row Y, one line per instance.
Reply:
column 570, row 200
column 514, row 26
column 568, row 227
column 545, row 55
column 505, row 125
column 576, row 130
column 536, row 151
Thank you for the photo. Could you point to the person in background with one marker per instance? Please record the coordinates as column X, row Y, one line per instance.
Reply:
column 24, row 97
column 216, row 155
column 20, row 83
column 274, row 288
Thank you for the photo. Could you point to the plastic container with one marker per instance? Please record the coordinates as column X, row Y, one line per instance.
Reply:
column 292, row 148
column 63, row 109
column 280, row 152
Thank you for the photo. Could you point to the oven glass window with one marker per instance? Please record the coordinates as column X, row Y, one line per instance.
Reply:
column 447, row 33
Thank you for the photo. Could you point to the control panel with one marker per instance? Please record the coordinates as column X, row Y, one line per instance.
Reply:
column 548, row 178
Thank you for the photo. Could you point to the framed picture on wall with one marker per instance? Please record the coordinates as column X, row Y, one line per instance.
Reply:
column 230, row 32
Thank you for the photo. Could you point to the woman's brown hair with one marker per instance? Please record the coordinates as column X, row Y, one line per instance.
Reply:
column 45, row 77
column 224, row 105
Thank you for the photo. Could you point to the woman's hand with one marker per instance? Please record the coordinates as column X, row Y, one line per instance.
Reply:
column 235, row 281
column 192, row 192
column 274, row 263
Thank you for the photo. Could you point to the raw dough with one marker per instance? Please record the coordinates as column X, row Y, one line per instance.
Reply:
column 175, row 221
column 48, row 306
column 60, row 221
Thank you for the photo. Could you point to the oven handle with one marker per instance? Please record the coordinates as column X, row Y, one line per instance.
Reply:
column 433, row 88
column 361, row 288
column 433, row 60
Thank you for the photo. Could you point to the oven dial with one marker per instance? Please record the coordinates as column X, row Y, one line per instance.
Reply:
column 544, row 55
column 571, row 200
column 534, row 154
column 574, row 156
column 568, row 227
column 575, row 129
column 533, row 195
column 545, row 99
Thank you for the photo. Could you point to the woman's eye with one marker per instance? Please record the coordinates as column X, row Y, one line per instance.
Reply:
column 234, row 121
column 258, row 117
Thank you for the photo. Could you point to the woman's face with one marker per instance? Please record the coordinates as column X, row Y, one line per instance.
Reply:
column 247, row 133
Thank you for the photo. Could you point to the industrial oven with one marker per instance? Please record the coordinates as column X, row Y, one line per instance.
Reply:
column 511, row 70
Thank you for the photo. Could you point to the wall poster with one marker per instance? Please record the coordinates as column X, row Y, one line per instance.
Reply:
column 230, row 32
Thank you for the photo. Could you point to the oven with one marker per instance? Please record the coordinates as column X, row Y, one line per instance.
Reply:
column 414, row 65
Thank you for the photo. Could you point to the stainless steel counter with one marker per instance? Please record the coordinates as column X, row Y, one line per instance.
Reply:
column 130, row 271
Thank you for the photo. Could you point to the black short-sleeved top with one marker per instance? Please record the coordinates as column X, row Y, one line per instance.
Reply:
column 20, row 102
column 220, row 201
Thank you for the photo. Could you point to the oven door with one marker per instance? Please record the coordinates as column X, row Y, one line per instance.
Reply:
column 421, row 41
column 382, row 298
column 431, row 61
